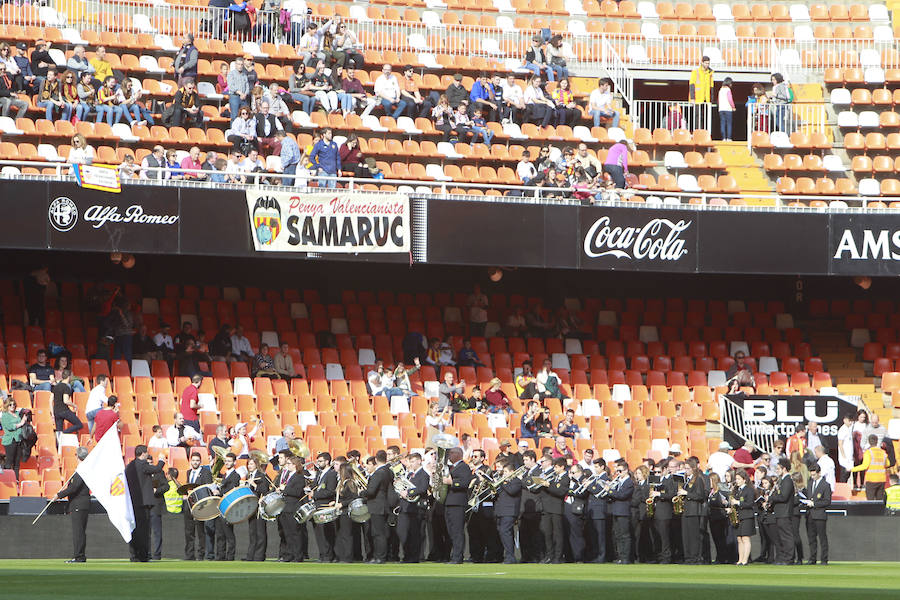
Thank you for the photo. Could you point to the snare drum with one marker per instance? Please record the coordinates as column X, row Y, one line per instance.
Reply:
column 305, row 511
column 238, row 505
column 359, row 511
column 204, row 502
column 271, row 505
column 326, row 515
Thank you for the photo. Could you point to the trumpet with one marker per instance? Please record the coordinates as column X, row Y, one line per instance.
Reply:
column 587, row 483
column 489, row 486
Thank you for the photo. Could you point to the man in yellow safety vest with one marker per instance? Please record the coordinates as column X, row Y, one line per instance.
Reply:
column 875, row 465
column 892, row 494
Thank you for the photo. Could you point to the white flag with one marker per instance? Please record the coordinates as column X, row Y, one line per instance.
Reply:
column 103, row 471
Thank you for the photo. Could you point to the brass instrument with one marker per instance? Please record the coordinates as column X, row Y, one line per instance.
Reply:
column 299, row 448
column 585, row 484
column 732, row 510
column 260, row 457
column 218, row 463
column 489, row 486
column 402, row 483
column 362, row 482
column 651, row 506
column 678, row 502
column 443, row 442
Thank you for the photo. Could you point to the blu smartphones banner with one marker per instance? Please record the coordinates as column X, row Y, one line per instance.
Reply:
column 329, row 222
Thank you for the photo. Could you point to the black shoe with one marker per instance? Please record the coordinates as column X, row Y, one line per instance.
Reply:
column 283, row 560
column 510, row 561
column 627, row 562
column 780, row 564
column 76, row 560
column 377, row 561
column 246, row 559
column 810, row 562
column 556, row 562
column 454, row 562
column 546, row 561
column 824, row 563
column 189, row 558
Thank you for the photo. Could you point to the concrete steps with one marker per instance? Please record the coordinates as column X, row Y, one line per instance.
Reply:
column 747, row 170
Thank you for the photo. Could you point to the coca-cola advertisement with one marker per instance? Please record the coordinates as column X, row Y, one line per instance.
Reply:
column 652, row 239
column 140, row 219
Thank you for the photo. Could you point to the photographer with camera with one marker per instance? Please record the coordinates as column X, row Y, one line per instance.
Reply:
column 13, row 440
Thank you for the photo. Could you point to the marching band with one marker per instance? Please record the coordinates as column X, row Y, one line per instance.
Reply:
column 392, row 507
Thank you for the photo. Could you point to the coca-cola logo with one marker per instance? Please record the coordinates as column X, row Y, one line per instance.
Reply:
column 98, row 216
column 658, row 239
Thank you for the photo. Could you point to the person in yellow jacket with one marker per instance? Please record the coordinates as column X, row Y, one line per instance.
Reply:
column 892, row 494
column 102, row 67
column 875, row 465
column 701, row 83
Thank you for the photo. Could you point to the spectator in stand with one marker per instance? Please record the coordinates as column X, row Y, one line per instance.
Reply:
column 479, row 127
column 263, row 365
column 69, row 90
column 544, row 423
column 130, row 104
column 562, row 450
column 321, row 85
column 290, row 156
column 87, row 96
column 416, row 104
column 278, row 107
column 122, row 321
column 536, row 59
column 26, row 79
column 482, row 96
column 190, row 402
column 529, row 420
column 107, row 417
column 541, row 109
column 186, row 60
column 600, row 104
column 442, row 116
column 220, row 347
column 102, row 67
column 153, row 165
column 78, row 63
column 300, row 88
column 344, row 48
column 186, row 106
column 127, row 169
column 96, row 399
column 726, row 110
column 351, row 157
column 64, row 409
column 240, row 345
column 567, row 427
column 616, row 163
column 387, row 93
column 108, row 102
column 41, row 61
column 467, row 356
column 526, row 383
column 567, row 111
column 243, row 130
column 234, row 168
column 298, row 17
column 549, row 384
column 556, row 58
column 7, row 59
column 538, row 326
column 189, row 361
column 327, row 159
column 238, row 87
column 496, row 399
column 456, row 92
column 674, row 118
column 478, row 305
column 462, row 124
column 526, row 172
column 700, row 85
column 50, row 98
column 173, row 167
column 222, row 81
column 81, row 153
column 401, row 376
column 586, row 161
column 182, row 434
column 12, row 423
column 8, row 98
column 448, row 391
column 284, row 363
column 144, row 348
column 354, row 94
column 267, row 125
column 191, row 166
column 381, row 381
column 513, row 101
column 185, row 335
column 309, row 45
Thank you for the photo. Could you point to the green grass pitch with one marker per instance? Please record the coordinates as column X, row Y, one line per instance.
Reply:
column 122, row 580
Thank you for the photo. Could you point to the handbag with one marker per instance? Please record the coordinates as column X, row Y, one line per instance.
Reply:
column 558, row 61
column 577, row 507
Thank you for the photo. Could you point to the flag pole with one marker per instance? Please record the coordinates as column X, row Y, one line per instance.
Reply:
column 41, row 514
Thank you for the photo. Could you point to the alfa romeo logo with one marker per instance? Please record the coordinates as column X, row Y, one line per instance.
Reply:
column 63, row 214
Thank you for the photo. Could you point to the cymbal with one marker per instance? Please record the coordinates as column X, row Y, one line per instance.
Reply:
column 185, row 489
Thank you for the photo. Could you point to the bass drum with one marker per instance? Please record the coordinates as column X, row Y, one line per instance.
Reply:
column 238, row 505
column 204, row 502
column 271, row 505
column 326, row 515
column 305, row 511
column 359, row 511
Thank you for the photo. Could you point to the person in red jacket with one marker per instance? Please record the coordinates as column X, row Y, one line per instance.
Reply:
column 106, row 418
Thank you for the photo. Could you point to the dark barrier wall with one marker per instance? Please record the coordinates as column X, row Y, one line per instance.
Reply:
column 195, row 221
column 850, row 538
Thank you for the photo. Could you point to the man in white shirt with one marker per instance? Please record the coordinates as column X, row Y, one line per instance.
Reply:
column 720, row 461
column 164, row 343
column 513, row 98
column 309, row 45
column 525, row 169
column 181, row 434
column 812, row 435
column 600, row 104
column 157, row 440
column 387, row 93
column 826, row 465
column 587, row 460
column 240, row 345
column 96, row 400
column 381, row 381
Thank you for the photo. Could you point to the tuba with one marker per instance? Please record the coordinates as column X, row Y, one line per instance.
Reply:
column 443, row 442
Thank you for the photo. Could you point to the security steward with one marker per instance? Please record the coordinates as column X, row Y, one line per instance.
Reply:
column 79, row 508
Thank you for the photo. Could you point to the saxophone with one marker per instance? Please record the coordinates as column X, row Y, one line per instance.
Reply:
column 678, row 502
column 732, row 509
column 651, row 503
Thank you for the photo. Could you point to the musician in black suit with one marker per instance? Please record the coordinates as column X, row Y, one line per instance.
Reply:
column 818, row 499
column 531, row 541
column 796, row 518
column 225, row 543
column 291, row 483
column 139, row 475
column 782, row 501
column 481, row 526
column 259, row 539
column 376, row 495
column 641, row 523
column 620, row 493
column 574, row 509
column 195, row 532
column 393, row 457
column 695, row 495
column 719, row 526
column 597, row 511
column 506, row 510
column 413, row 504
column 663, row 511
column 459, row 479
column 323, row 494
column 744, row 499
column 347, row 491
column 552, row 517
column 79, row 508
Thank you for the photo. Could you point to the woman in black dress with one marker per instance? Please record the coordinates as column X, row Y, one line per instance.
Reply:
column 347, row 493
column 744, row 500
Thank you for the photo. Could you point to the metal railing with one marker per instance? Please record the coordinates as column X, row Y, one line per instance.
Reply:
column 732, row 418
column 771, row 117
column 635, row 50
column 672, row 115
column 623, row 80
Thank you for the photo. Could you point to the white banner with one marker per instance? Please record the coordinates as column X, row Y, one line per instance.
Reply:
column 103, row 471
column 344, row 222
